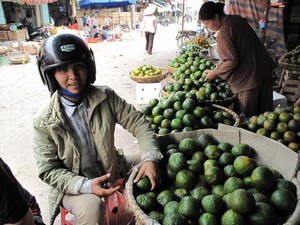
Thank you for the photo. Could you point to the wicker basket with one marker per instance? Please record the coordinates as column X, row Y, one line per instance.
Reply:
column 288, row 66
column 170, row 79
column 143, row 219
column 4, row 50
column 237, row 120
column 223, row 102
column 150, row 79
column 171, row 69
column 18, row 58
column 164, row 93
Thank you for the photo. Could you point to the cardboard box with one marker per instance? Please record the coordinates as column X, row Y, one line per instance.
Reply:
column 147, row 91
column 268, row 152
column 279, row 100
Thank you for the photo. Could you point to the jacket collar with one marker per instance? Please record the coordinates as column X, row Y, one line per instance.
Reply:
column 54, row 115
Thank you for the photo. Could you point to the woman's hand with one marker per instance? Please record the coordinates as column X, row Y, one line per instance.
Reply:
column 98, row 189
column 210, row 75
column 148, row 169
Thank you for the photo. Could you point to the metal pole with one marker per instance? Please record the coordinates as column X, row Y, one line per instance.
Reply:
column 182, row 22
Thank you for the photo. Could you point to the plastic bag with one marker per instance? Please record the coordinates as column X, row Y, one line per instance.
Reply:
column 115, row 211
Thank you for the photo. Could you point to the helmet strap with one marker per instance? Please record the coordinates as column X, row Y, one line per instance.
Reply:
column 65, row 92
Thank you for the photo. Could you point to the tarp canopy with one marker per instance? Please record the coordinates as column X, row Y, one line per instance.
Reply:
column 160, row 8
column 94, row 4
column 30, row 2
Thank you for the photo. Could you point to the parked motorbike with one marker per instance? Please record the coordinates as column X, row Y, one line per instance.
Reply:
column 40, row 34
column 164, row 22
column 184, row 36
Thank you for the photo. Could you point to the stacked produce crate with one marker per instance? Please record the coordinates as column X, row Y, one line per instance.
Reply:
column 289, row 84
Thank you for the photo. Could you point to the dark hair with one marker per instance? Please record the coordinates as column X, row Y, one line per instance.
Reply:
column 209, row 9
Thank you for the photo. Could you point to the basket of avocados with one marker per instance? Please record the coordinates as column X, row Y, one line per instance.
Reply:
column 291, row 60
column 148, row 74
column 218, row 177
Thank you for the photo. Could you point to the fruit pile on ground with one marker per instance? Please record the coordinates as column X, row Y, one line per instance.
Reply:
column 282, row 124
column 146, row 71
column 186, row 56
column 292, row 57
column 189, row 76
column 183, row 112
column 210, row 183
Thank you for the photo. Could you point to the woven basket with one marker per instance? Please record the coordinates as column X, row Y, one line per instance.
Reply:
column 170, row 79
column 237, row 120
column 223, row 102
column 288, row 66
column 19, row 58
column 150, row 79
column 164, row 93
column 143, row 219
column 171, row 69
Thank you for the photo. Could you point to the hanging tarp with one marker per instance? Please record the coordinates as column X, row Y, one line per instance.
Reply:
column 35, row 2
column 105, row 4
column 254, row 12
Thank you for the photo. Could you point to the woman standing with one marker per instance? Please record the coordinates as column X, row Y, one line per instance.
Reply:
column 245, row 63
column 149, row 26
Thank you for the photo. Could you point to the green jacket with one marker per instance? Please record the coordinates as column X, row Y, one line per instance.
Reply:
column 56, row 151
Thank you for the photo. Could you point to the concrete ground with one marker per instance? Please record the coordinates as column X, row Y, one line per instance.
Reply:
column 22, row 93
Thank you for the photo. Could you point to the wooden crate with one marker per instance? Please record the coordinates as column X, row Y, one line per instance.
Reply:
column 7, row 35
column 289, row 85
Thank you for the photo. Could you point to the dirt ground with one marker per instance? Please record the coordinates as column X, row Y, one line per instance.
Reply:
column 22, row 94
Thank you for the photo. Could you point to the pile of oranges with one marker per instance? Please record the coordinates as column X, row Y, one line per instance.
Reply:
column 200, row 42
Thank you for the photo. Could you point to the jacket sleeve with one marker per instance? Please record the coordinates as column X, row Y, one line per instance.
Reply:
column 134, row 121
column 51, row 169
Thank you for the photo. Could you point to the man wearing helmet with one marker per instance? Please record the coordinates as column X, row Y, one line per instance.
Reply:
column 73, row 135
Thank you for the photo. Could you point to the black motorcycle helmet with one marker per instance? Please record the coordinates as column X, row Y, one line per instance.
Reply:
column 61, row 49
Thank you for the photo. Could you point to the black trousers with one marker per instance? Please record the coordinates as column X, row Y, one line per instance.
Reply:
column 149, row 41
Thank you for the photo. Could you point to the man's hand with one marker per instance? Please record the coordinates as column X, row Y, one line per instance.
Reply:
column 148, row 169
column 98, row 189
column 210, row 75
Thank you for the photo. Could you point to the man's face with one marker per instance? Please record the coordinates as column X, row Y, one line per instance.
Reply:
column 72, row 77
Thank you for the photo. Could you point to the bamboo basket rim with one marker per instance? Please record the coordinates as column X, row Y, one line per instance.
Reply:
column 223, row 102
column 172, row 69
column 143, row 219
column 288, row 66
column 237, row 120
column 150, row 79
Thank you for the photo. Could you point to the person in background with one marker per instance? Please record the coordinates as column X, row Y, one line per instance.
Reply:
column 93, row 21
column 17, row 205
column 117, row 30
column 107, row 22
column 86, row 30
column 89, row 21
column 84, row 19
column 94, row 32
column 105, row 33
column 245, row 63
column 149, row 27
column 73, row 134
